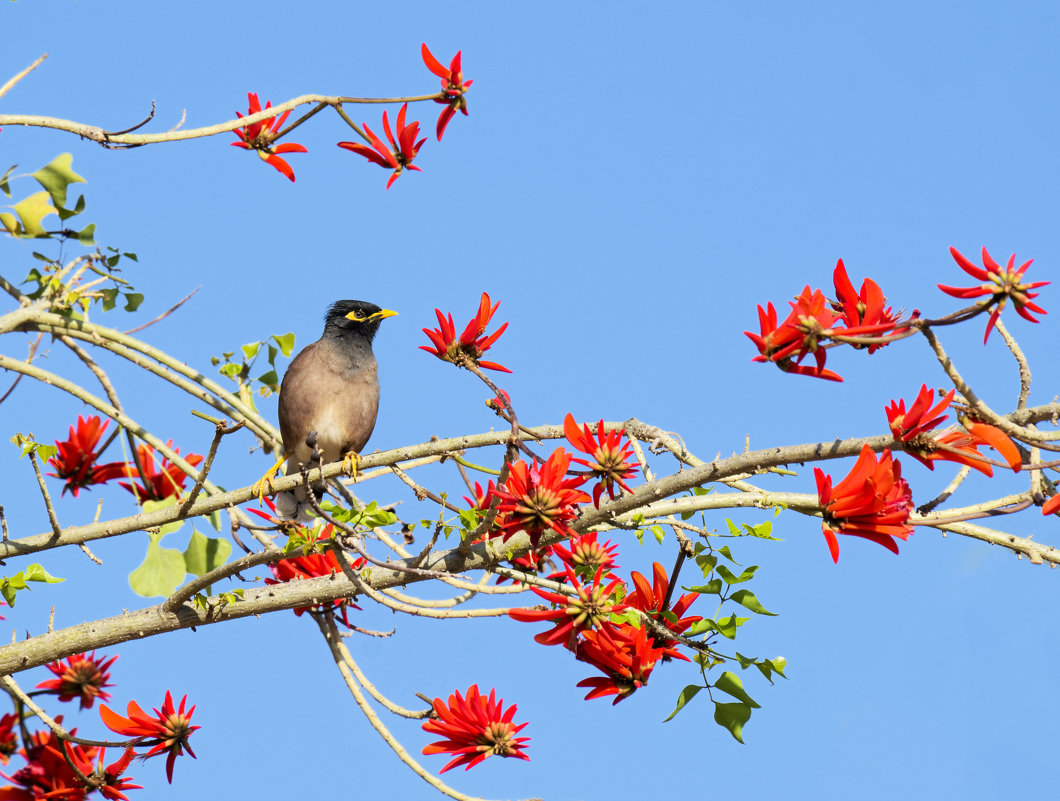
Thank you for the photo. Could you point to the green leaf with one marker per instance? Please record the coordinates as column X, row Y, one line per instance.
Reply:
column 687, row 694
column 763, row 530
column 27, row 445
column 733, row 528
column 269, row 379
column 161, row 572
column 732, row 717
column 203, row 554
column 712, row 587
column 251, row 350
column 130, row 256
column 31, row 211
column 133, row 301
column 729, row 682
column 5, row 187
column 706, row 563
column 65, row 214
column 36, row 572
column 659, row 533
column 109, row 298
column 57, row 176
column 86, row 235
column 726, row 627
column 770, row 666
column 728, row 577
column 10, row 223
column 747, row 598
column 286, row 343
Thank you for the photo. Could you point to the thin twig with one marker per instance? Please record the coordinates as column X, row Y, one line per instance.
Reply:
column 11, row 82
column 166, row 313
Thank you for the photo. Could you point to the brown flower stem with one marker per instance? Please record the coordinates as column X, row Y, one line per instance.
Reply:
column 312, row 112
column 1021, row 361
column 221, row 430
column 958, row 479
column 47, row 498
column 166, row 313
column 981, row 410
column 331, row 637
column 372, row 690
column 119, row 140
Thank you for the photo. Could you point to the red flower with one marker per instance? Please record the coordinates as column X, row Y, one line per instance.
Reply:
column 259, row 136
column 46, row 774
column 625, row 656
column 864, row 308
column 474, row 729
column 954, row 445
column 585, row 556
column 107, row 779
column 472, row 342
column 159, row 484
column 83, row 676
column 591, row 608
column 314, row 566
column 402, row 150
column 453, row 87
column 1004, row 283
column 168, row 730
column 8, row 740
column 609, row 456
column 873, row 502
column 539, row 498
column 76, row 460
column 809, row 322
column 650, row 598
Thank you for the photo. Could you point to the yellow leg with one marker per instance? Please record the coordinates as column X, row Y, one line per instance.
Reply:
column 351, row 463
column 264, row 485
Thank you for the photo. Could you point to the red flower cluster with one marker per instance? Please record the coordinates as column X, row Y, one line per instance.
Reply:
column 812, row 321
column 873, row 502
column 167, row 732
column 1001, row 284
column 472, row 342
column 591, row 608
column 259, row 136
column 539, row 498
column 8, row 740
column 863, row 308
column 83, row 676
column 474, row 728
column 585, row 556
column 610, row 457
column 403, row 147
column 310, row 566
column 912, row 430
column 76, row 460
column 48, row 774
column 453, row 87
column 158, row 483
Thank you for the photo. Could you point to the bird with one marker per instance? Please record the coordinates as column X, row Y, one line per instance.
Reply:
column 329, row 397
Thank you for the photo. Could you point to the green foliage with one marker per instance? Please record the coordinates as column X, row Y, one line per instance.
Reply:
column 9, row 585
column 27, row 445
column 239, row 372
column 164, row 569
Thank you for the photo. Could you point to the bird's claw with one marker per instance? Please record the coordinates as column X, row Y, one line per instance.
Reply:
column 263, row 486
column 351, row 463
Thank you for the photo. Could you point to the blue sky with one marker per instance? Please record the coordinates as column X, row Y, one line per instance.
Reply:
column 630, row 184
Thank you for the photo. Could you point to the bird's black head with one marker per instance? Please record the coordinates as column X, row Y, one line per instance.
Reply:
column 356, row 317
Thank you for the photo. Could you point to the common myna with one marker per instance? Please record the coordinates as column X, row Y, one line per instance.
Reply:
column 330, row 394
